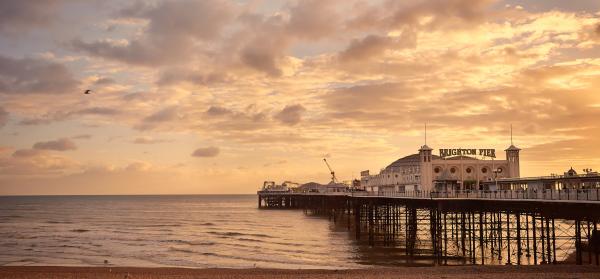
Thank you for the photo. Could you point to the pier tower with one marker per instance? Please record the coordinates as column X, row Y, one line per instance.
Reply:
column 512, row 157
column 425, row 167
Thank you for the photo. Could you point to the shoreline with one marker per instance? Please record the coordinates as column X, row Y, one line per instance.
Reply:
column 513, row 272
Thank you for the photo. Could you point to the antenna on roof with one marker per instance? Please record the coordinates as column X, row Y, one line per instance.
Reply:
column 511, row 138
column 425, row 133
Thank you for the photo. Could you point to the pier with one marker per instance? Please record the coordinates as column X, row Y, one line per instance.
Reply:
column 521, row 227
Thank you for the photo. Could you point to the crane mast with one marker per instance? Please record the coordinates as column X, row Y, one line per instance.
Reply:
column 333, row 178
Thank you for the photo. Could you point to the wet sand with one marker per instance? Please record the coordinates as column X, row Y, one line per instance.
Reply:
column 513, row 272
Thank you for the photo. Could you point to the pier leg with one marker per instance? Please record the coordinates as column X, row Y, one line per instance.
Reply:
column 481, row 236
column 462, row 234
column 473, row 239
column 518, row 238
column 357, row 220
column 446, row 241
column 499, row 230
column 412, row 230
column 508, row 262
column 596, row 244
column 534, row 239
column 371, row 224
column 432, row 228
column 596, row 254
column 527, row 235
column 492, row 237
column 406, row 233
column 543, row 239
column 578, row 254
column 589, row 246
column 548, row 248
column 553, row 242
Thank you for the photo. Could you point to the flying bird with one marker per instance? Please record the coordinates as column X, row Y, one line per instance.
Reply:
column 87, row 91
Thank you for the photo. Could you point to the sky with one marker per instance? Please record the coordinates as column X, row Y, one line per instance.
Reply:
column 206, row 97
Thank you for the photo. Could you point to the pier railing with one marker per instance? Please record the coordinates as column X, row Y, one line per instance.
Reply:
column 587, row 195
column 564, row 194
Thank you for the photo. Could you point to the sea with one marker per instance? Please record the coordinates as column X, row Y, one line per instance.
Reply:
column 196, row 231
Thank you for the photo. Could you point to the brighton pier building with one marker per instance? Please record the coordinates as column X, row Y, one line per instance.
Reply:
column 451, row 169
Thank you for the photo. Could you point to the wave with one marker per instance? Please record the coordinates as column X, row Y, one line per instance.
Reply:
column 59, row 222
column 80, row 230
column 175, row 249
column 250, row 240
column 188, row 242
column 12, row 216
column 229, row 234
column 159, row 225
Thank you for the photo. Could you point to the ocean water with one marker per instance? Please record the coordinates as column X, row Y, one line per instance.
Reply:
column 185, row 231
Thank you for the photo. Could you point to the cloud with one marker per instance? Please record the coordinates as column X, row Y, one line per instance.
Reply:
column 27, row 75
column 375, row 45
column 17, row 16
column 367, row 47
column 174, row 28
column 218, row 111
column 64, row 115
column 433, row 14
column 206, row 152
column 313, row 19
column 97, row 111
column 20, row 153
column 291, row 114
column 3, row 117
column 176, row 76
column 62, row 144
column 35, row 121
column 148, row 140
column 264, row 53
column 104, row 81
column 280, row 162
column 162, row 116
column 82, row 136
column 35, row 163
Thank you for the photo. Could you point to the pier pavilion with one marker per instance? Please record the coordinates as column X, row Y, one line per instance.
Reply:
column 452, row 169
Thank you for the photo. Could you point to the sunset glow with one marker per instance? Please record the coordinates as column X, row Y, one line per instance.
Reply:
column 217, row 96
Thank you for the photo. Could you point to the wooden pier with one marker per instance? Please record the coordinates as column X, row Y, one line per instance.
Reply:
column 467, row 227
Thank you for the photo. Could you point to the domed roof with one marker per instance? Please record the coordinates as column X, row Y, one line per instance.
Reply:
column 571, row 172
column 413, row 159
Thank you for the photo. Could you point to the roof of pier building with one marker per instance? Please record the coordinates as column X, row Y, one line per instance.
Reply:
column 409, row 160
column 512, row 148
